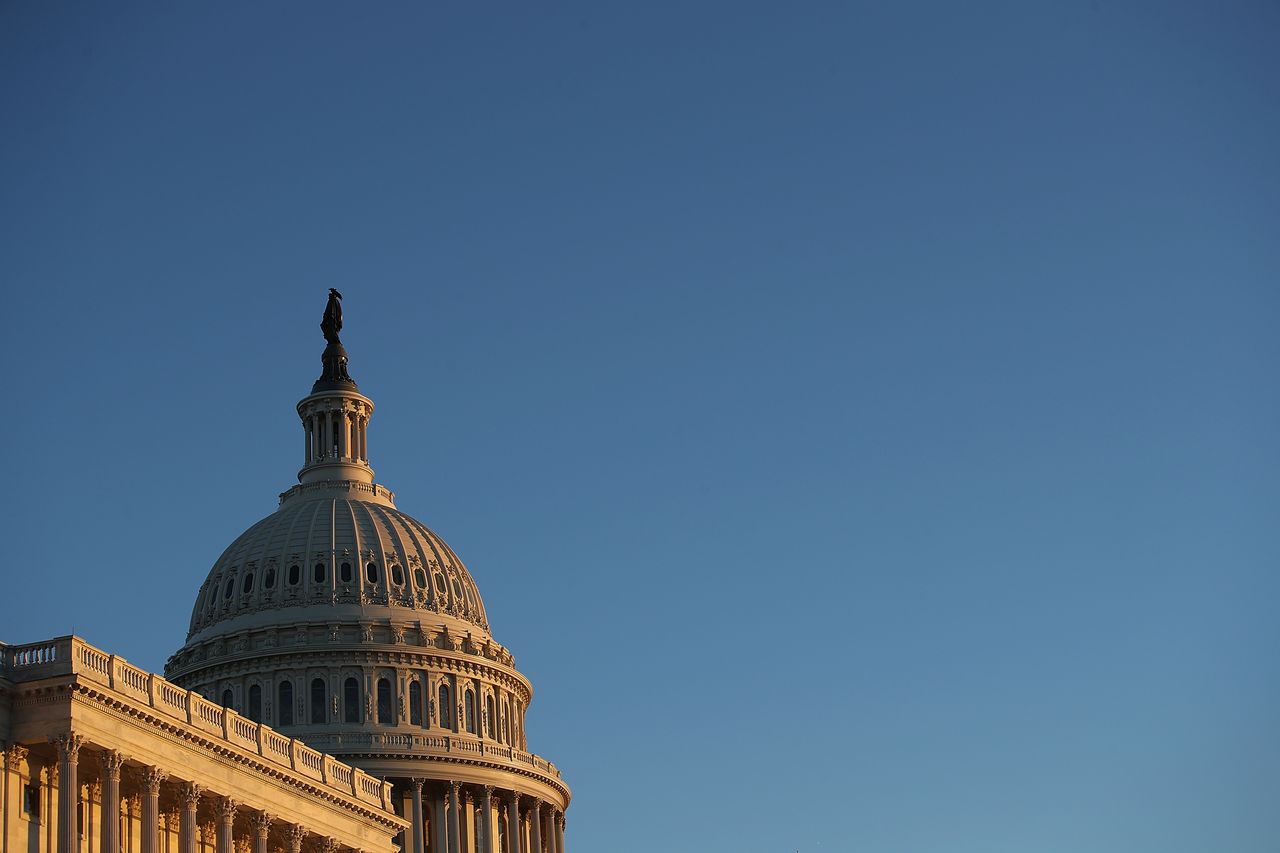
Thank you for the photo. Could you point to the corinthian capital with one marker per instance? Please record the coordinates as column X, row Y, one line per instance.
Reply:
column 151, row 778
column 68, row 744
column 190, row 793
column 15, row 755
column 111, row 762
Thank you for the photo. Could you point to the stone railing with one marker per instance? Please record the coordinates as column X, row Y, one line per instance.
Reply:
column 73, row 656
column 398, row 743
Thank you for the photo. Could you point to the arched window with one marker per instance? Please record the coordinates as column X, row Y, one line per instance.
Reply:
column 469, row 709
column 415, row 703
column 295, row 575
column 491, row 719
column 318, row 714
column 255, row 702
column 506, row 721
column 446, row 707
column 346, row 573
column 397, row 574
column 231, row 587
column 247, row 586
column 317, row 573
column 371, row 573
column 228, row 698
column 285, row 703
column 386, row 713
column 269, row 579
column 351, row 701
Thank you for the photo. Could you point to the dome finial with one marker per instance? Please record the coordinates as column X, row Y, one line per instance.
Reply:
column 334, row 358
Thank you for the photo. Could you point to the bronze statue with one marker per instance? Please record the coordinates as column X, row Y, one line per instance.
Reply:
column 334, row 359
column 331, row 324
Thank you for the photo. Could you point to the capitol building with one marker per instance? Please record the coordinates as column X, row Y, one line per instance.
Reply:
column 338, row 690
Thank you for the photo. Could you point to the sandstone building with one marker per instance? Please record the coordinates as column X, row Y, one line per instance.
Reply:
column 338, row 690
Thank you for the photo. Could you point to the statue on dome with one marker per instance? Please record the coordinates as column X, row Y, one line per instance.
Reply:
column 335, row 374
column 331, row 324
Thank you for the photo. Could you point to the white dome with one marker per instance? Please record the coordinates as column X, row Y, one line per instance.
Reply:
column 326, row 556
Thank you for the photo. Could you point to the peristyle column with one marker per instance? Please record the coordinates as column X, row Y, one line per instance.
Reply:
column 187, row 829
column 455, row 819
column 513, row 822
column 261, row 826
column 535, row 841
column 110, row 762
column 560, row 832
column 419, row 831
column 68, row 745
column 226, row 817
column 151, row 778
column 484, row 843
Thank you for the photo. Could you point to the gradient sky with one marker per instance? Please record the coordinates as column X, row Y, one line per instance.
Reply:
column 859, row 418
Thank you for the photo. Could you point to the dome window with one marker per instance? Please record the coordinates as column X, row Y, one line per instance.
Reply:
column 255, row 702
column 231, row 587
column 491, row 717
column 469, row 709
column 351, row 701
column 286, row 703
column 420, row 578
column 317, row 573
column 397, row 574
column 295, row 575
column 247, row 586
column 228, row 698
column 415, row 703
column 317, row 701
column 371, row 573
column 346, row 573
column 386, row 717
column 269, row 579
column 446, row 708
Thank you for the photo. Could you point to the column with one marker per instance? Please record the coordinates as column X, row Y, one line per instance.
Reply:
column 535, row 826
column 261, row 825
column 151, row 778
column 110, row 762
column 559, row 832
column 364, row 439
column 513, row 822
column 455, row 819
column 484, row 844
column 306, row 442
column 189, row 794
column 419, row 831
column 226, row 816
column 439, row 840
column 68, row 745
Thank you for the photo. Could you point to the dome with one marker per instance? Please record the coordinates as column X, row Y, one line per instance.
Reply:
column 328, row 556
column 342, row 621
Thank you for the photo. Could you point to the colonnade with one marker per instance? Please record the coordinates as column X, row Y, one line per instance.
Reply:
column 207, row 821
column 456, row 817
column 339, row 434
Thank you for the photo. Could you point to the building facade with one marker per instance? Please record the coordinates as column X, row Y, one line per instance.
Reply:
column 348, row 629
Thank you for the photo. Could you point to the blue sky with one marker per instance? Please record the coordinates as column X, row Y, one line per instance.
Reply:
column 859, row 418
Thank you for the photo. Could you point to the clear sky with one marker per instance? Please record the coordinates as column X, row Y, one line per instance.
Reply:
column 860, row 419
